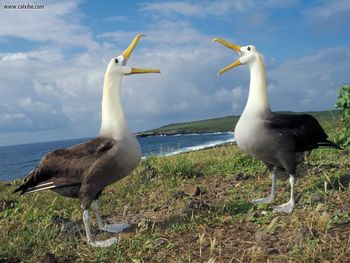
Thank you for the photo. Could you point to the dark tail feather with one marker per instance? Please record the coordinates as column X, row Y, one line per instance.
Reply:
column 327, row 143
column 20, row 188
column 23, row 187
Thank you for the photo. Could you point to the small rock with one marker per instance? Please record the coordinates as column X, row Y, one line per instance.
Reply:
column 273, row 238
column 57, row 219
column 307, row 234
column 160, row 241
column 271, row 250
column 240, row 177
column 316, row 198
column 256, row 214
column 148, row 173
column 260, row 236
column 49, row 258
column 333, row 194
column 316, row 170
column 304, row 231
column 5, row 204
column 193, row 205
column 197, row 191
column 178, row 194
column 346, row 152
column 344, row 181
column 71, row 230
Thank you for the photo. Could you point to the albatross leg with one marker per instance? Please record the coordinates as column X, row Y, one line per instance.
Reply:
column 269, row 199
column 113, row 228
column 287, row 207
column 105, row 243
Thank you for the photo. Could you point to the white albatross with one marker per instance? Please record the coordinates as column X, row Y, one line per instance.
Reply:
column 279, row 140
column 84, row 170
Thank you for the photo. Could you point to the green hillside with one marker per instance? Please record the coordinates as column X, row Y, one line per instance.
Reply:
column 223, row 124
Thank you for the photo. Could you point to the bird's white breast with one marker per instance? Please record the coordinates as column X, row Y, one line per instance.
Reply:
column 248, row 133
column 130, row 151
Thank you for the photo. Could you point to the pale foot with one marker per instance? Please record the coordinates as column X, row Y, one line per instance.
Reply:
column 104, row 243
column 116, row 228
column 264, row 200
column 286, row 208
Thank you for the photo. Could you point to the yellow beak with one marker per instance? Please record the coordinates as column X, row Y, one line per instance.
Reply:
column 142, row 71
column 234, row 64
column 127, row 52
column 230, row 46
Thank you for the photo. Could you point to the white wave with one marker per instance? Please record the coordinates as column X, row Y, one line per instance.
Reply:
column 196, row 134
column 206, row 145
column 199, row 147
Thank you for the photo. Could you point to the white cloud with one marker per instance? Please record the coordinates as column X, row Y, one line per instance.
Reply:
column 328, row 8
column 310, row 83
column 57, row 91
column 329, row 16
column 215, row 8
column 14, row 56
column 57, row 23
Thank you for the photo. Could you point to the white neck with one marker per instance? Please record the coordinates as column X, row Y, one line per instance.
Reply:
column 113, row 120
column 257, row 103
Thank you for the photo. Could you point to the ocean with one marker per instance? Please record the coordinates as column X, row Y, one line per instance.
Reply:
column 17, row 160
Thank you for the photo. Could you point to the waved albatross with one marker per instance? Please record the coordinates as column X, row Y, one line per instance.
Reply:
column 279, row 140
column 84, row 170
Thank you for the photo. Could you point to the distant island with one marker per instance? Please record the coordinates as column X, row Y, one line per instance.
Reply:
column 222, row 124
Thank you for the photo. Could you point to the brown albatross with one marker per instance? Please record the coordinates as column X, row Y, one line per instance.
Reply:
column 279, row 140
column 84, row 170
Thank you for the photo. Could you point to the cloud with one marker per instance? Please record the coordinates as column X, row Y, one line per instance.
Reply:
column 311, row 82
column 53, row 89
column 14, row 56
column 57, row 23
column 329, row 16
column 51, row 93
column 231, row 97
column 328, row 8
column 216, row 8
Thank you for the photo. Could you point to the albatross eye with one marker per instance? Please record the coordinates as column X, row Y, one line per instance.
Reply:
column 116, row 60
column 248, row 48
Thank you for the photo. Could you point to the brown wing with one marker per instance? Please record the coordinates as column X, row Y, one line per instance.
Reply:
column 65, row 167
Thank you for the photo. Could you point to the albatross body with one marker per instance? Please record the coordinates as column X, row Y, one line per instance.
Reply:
column 279, row 140
column 84, row 170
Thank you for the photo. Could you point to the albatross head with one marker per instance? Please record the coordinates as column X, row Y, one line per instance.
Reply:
column 248, row 54
column 117, row 67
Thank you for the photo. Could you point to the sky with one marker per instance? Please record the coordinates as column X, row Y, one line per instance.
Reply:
column 52, row 61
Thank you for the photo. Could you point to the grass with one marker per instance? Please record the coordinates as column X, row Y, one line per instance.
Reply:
column 192, row 207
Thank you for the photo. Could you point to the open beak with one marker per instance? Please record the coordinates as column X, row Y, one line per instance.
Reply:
column 232, row 46
column 127, row 52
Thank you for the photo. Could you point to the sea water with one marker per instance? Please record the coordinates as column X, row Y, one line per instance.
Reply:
column 18, row 160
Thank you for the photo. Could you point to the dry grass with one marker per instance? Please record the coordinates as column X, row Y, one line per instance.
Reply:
column 192, row 207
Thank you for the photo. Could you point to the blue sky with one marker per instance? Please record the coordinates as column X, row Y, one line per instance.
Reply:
column 52, row 61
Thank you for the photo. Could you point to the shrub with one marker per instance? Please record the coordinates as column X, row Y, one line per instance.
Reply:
column 343, row 105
